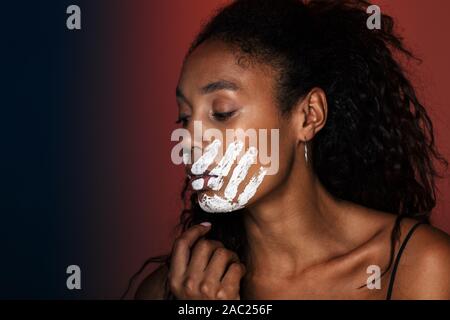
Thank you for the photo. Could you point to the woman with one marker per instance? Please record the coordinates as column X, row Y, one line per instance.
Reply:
column 356, row 177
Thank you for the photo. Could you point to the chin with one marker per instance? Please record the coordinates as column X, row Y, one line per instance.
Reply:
column 213, row 203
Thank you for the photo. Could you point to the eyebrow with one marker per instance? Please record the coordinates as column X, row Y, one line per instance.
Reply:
column 210, row 87
column 219, row 85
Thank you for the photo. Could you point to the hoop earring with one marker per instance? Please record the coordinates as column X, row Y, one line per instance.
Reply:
column 306, row 152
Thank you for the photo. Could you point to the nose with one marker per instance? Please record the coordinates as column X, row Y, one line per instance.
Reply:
column 193, row 145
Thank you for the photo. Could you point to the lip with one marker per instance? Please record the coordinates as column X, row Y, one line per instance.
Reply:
column 205, row 176
column 192, row 176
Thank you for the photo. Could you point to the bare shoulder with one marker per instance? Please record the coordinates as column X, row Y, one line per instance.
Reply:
column 424, row 268
column 153, row 286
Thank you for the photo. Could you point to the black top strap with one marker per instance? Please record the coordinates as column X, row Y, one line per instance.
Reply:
column 397, row 259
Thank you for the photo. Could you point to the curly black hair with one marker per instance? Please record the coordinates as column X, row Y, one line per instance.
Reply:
column 377, row 147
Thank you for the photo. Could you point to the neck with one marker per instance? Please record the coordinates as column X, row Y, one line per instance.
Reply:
column 295, row 227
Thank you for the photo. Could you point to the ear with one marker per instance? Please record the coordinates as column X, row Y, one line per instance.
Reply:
column 310, row 115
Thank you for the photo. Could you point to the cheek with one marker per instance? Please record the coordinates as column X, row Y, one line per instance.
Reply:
column 236, row 183
column 244, row 179
column 245, row 182
column 275, row 180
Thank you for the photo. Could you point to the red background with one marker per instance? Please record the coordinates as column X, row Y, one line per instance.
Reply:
column 141, row 202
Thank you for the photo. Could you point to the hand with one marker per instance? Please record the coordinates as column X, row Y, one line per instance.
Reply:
column 205, row 271
column 228, row 201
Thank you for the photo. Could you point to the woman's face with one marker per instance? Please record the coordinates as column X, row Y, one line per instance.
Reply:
column 232, row 102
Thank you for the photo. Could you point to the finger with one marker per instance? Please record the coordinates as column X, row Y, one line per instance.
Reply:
column 219, row 263
column 240, row 172
column 252, row 186
column 231, row 281
column 181, row 250
column 201, row 254
column 224, row 166
column 200, row 166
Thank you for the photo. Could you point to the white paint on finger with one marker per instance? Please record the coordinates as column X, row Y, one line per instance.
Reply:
column 197, row 184
column 252, row 186
column 216, row 203
column 200, row 166
column 224, row 166
column 240, row 172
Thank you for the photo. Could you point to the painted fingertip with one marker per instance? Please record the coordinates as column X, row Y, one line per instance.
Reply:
column 206, row 224
column 197, row 184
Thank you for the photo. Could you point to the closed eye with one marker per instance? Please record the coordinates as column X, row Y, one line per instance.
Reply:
column 223, row 116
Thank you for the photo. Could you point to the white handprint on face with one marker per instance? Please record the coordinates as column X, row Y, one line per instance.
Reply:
column 227, row 202
column 224, row 166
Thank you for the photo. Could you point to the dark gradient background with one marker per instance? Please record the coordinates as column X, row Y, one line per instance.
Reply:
column 86, row 122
